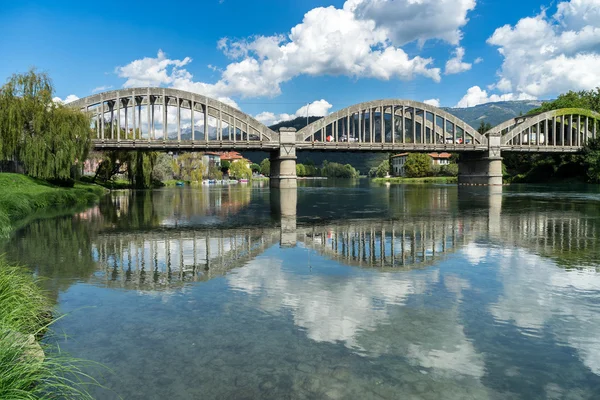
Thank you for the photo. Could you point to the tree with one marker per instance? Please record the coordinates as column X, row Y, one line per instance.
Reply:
column 46, row 137
column 225, row 166
column 418, row 165
column 300, row 170
column 163, row 168
column 189, row 167
column 335, row 170
column 240, row 170
column 265, row 167
column 383, row 169
column 255, row 168
column 484, row 127
column 591, row 159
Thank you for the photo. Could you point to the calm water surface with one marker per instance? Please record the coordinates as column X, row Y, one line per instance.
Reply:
column 343, row 292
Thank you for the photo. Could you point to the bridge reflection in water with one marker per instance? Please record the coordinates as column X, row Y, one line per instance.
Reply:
column 155, row 260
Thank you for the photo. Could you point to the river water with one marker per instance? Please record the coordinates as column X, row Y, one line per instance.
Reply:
column 334, row 291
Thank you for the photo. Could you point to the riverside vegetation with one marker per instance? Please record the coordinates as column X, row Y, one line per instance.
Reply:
column 47, row 141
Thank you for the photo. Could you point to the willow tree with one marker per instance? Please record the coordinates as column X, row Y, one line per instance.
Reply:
column 46, row 137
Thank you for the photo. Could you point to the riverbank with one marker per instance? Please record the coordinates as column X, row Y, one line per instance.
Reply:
column 23, row 196
column 30, row 369
column 433, row 179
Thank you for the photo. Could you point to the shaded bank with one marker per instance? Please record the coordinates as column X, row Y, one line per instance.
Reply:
column 22, row 197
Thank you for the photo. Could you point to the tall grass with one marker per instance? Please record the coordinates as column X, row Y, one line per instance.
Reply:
column 26, row 372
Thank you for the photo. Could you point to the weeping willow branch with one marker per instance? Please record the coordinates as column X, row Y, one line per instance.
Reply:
column 46, row 137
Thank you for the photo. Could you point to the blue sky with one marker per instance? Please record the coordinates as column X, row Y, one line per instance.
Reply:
column 269, row 58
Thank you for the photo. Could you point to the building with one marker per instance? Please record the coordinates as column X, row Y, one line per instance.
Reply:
column 211, row 159
column 398, row 161
column 440, row 158
column 233, row 156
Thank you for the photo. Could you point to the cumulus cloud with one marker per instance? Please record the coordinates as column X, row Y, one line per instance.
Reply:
column 456, row 65
column 433, row 102
column 545, row 55
column 361, row 39
column 318, row 108
column 475, row 96
column 69, row 99
column 416, row 20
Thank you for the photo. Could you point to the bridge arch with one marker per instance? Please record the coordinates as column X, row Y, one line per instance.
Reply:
column 566, row 129
column 219, row 121
column 400, row 121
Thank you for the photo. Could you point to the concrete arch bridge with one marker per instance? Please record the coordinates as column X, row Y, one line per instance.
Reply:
column 162, row 119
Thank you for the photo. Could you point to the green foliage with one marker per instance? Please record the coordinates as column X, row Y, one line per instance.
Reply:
column 589, row 100
column 240, row 170
column 418, row 165
column 265, row 167
column 215, row 172
column 22, row 196
column 255, row 168
column 591, row 158
column 383, row 169
column 47, row 138
column 306, row 170
column 189, row 167
column 225, row 165
column 335, row 170
column 484, row 127
column 163, row 168
column 449, row 170
column 30, row 369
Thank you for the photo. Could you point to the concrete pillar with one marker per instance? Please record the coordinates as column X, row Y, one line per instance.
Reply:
column 283, row 160
column 482, row 168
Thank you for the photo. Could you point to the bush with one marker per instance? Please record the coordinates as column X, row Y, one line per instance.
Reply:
column 418, row 165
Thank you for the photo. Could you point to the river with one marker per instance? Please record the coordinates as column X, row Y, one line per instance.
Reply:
column 335, row 291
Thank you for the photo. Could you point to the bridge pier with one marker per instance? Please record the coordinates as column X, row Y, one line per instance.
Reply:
column 283, row 161
column 483, row 168
column 283, row 206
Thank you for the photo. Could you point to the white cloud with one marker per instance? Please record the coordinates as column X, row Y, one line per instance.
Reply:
column 456, row 65
column 433, row 102
column 475, row 96
column 358, row 40
column 101, row 88
column 549, row 55
column 478, row 60
column 317, row 108
column 69, row 99
column 415, row 20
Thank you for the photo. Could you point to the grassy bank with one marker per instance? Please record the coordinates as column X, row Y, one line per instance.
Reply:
column 22, row 196
column 30, row 369
column 434, row 179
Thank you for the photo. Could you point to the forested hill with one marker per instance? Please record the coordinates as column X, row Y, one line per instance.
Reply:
column 494, row 113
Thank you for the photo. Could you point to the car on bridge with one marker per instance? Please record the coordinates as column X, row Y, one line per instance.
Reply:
column 345, row 138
